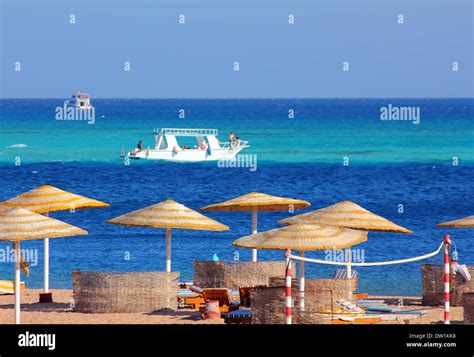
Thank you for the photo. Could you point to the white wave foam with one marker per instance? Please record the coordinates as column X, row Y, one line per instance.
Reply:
column 17, row 146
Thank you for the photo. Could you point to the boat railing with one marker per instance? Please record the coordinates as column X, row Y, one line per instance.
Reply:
column 186, row 132
column 233, row 145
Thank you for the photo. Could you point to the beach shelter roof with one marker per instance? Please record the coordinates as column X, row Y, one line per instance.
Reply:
column 259, row 201
column 303, row 236
column 168, row 214
column 255, row 202
column 17, row 224
column 45, row 199
column 466, row 222
column 48, row 198
column 349, row 215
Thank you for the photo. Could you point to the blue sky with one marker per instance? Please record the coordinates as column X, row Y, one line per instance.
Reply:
column 277, row 60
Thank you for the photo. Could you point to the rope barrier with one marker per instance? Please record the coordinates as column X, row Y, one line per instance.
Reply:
column 446, row 244
column 391, row 262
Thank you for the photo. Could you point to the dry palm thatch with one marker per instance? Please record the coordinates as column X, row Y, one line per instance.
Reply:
column 349, row 215
column 19, row 224
column 303, row 237
column 260, row 201
column 47, row 198
column 168, row 214
column 466, row 222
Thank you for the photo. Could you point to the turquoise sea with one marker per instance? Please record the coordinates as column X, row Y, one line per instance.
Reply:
column 428, row 168
column 322, row 131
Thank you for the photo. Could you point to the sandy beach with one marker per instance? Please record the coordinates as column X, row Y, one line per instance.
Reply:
column 60, row 312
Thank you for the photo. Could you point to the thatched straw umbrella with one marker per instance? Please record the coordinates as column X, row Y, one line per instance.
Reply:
column 168, row 214
column 19, row 224
column 302, row 237
column 255, row 202
column 45, row 199
column 466, row 222
column 349, row 215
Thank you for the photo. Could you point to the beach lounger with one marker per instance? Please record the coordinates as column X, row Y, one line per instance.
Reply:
column 191, row 298
column 403, row 315
column 380, row 309
column 362, row 302
column 342, row 274
column 360, row 296
column 242, row 316
column 223, row 295
column 8, row 287
column 357, row 320
column 349, row 307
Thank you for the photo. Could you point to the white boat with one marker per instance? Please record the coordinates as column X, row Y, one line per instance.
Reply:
column 79, row 100
column 207, row 147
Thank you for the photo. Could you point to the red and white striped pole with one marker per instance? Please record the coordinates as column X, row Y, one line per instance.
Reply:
column 446, row 278
column 288, row 287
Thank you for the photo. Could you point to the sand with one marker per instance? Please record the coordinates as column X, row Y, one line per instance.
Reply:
column 434, row 314
column 60, row 312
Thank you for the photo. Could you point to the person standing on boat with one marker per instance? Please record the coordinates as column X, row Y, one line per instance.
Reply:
column 139, row 145
column 231, row 137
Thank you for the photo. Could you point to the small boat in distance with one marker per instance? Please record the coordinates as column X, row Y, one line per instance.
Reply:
column 79, row 100
column 207, row 147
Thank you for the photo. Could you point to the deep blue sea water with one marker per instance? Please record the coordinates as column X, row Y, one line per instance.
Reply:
column 391, row 163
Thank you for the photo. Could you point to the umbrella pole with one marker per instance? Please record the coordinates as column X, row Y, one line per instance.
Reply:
column 46, row 266
column 302, row 282
column 16, row 247
column 46, row 296
column 168, row 250
column 348, row 266
column 349, row 269
column 254, row 231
